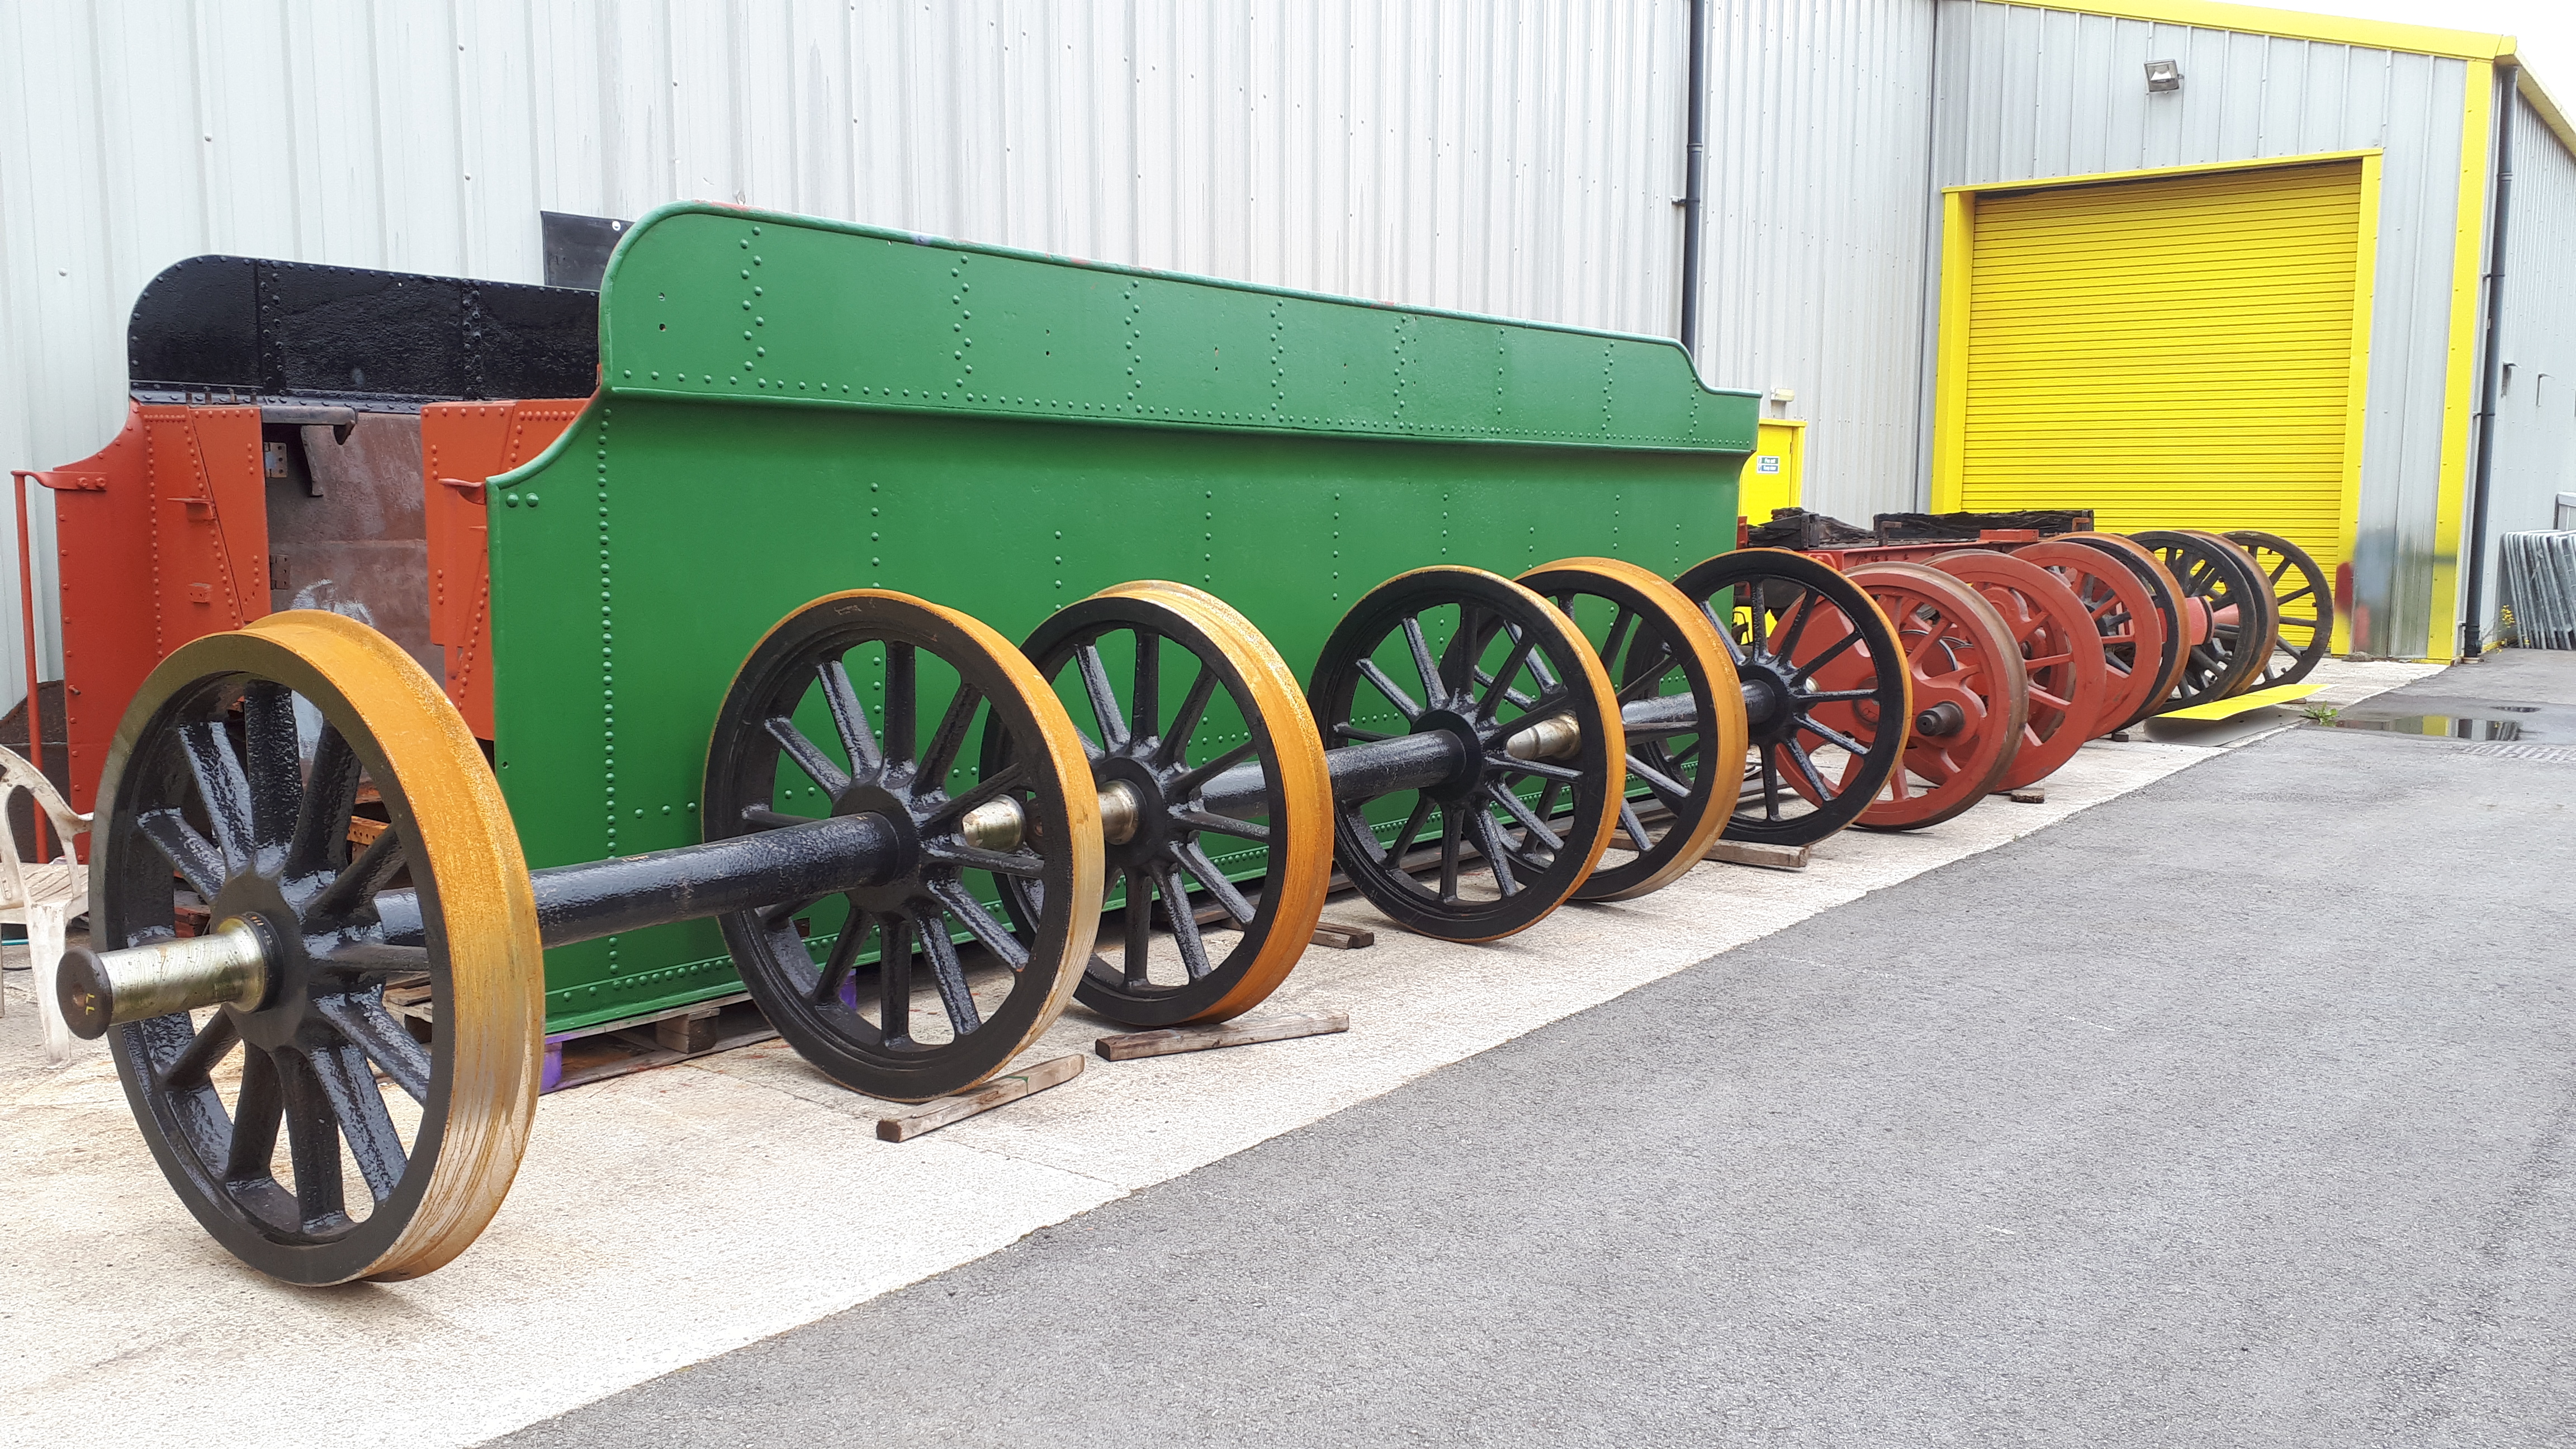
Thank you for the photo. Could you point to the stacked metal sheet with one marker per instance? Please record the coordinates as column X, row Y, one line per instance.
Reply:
column 2540, row 589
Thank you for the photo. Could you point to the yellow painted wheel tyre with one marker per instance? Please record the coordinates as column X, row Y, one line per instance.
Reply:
column 869, row 702
column 1211, row 705
column 1687, row 738
column 239, row 768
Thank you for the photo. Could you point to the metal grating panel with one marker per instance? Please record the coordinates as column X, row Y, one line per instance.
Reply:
column 2538, row 589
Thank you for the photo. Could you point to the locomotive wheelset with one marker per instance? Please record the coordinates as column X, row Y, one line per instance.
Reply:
column 792, row 751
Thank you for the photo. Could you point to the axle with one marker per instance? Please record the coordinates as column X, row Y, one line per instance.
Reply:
column 807, row 860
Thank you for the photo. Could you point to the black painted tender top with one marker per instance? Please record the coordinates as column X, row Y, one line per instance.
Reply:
column 248, row 330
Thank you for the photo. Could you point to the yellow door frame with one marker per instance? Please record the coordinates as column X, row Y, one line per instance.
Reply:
column 1958, row 284
column 2459, row 378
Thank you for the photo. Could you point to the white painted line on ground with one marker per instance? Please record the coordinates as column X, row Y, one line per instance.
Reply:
column 669, row 1216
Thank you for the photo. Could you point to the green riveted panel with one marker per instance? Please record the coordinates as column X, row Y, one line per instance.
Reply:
column 790, row 407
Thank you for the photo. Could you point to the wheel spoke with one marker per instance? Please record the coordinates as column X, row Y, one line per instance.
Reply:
column 1434, row 689
column 903, row 701
column 1190, row 784
column 1807, row 770
column 894, row 979
column 1186, row 722
column 845, row 955
column 1757, row 615
column 363, row 1019
column 979, row 923
column 1725, row 627
column 948, row 739
column 312, row 1141
column 1672, row 792
column 1770, row 785
column 257, row 1110
column 947, row 972
column 1514, row 695
column 776, row 916
column 768, row 819
column 192, row 855
column 349, row 1085
column 1222, row 824
column 1104, row 700
column 1185, row 923
column 1547, row 799
column 1830, row 735
column 1489, row 844
column 1539, row 768
column 322, row 813
column 1403, row 840
column 992, row 786
column 1394, row 693
column 220, row 785
column 363, row 954
column 1450, row 827
column 1145, row 701
column 1825, row 656
column 1022, row 864
column 1519, row 810
column 1204, row 871
column 213, row 1042
column 849, row 717
column 1647, row 684
column 1139, row 923
column 1354, row 732
column 276, row 767
column 809, row 757
column 357, row 885
column 1503, row 676
column 1636, row 828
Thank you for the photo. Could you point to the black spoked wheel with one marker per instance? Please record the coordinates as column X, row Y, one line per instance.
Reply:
column 1469, row 675
column 2302, row 606
column 1209, row 766
column 826, row 718
column 305, row 1125
column 1825, row 685
column 2225, row 601
column 1680, row 707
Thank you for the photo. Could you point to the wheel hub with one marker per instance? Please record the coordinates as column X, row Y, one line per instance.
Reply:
column 1767, row 698
column 902, row 883
column 285, row 1010
column 1145, row 812
column 1472, row 741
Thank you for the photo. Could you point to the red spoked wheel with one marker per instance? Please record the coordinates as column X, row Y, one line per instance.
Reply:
column 2061, row 656
column 2171, row 611
column 1970, row 701
column 2125, row 617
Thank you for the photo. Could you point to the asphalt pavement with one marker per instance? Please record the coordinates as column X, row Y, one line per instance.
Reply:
column 2235, row 1110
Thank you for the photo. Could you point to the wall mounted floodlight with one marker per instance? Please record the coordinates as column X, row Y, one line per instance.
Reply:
column 2163, row 75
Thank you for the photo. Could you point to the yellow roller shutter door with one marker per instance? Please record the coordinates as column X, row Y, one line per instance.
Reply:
column 2173, row 353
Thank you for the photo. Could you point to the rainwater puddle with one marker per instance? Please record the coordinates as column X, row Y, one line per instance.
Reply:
column 2447, row 726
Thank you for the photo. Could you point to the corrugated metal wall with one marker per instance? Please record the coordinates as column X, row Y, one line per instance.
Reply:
column 2535, row 424
column 1511, row 156
column 1817, row 225
column 2029, row 93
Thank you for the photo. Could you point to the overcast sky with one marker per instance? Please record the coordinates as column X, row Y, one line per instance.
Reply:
column 2546, row 28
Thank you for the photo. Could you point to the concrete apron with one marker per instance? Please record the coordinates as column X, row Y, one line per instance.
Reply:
column 664, row 1218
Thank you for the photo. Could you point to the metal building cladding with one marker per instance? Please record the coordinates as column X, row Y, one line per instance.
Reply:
column 1966, row 252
